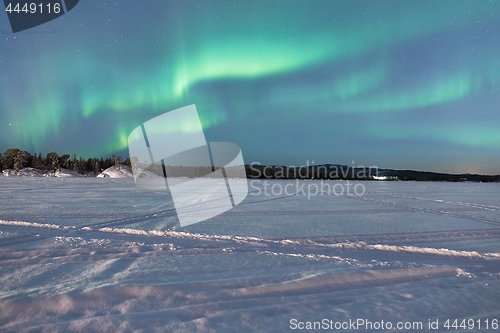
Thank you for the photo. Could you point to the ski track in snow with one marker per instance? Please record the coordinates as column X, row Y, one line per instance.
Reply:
column 105, row 276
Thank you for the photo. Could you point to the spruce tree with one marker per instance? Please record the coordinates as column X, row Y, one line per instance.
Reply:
column 9, row 157
column 53, row 162
column 81, row 166
column 65, row 161
column 74, row 163
column 21, row 160
column 95, row 166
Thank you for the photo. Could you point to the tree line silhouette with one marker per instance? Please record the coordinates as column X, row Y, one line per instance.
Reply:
column 14, row 160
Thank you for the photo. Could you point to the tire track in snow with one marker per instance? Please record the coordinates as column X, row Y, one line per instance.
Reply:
column 133, row 243
column 202, row 297
column 444, row 211
column 459, row 203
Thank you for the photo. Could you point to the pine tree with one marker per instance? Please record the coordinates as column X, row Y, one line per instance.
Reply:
column 81, row 165
column 21, row 160
column 95, row 165
column 53, row 162
column 37, row 162
column 74, row 163
column 116, row 161
column 9, row 157
column 65, row 161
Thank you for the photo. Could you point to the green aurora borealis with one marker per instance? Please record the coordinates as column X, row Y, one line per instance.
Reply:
column 399, row 84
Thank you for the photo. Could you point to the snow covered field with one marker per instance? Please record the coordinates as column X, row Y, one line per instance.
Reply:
column 103, row 255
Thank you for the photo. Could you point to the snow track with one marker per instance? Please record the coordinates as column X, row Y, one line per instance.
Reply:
column 394, row 254
column 126, row 243
column 446, row 212
column 188, row 296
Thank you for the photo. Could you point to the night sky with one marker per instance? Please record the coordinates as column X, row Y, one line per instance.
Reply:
column 393, row 84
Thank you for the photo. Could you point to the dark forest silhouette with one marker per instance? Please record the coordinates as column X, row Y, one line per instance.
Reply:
column 13, row 160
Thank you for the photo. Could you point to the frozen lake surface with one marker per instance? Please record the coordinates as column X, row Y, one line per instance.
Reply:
column 103, row 255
